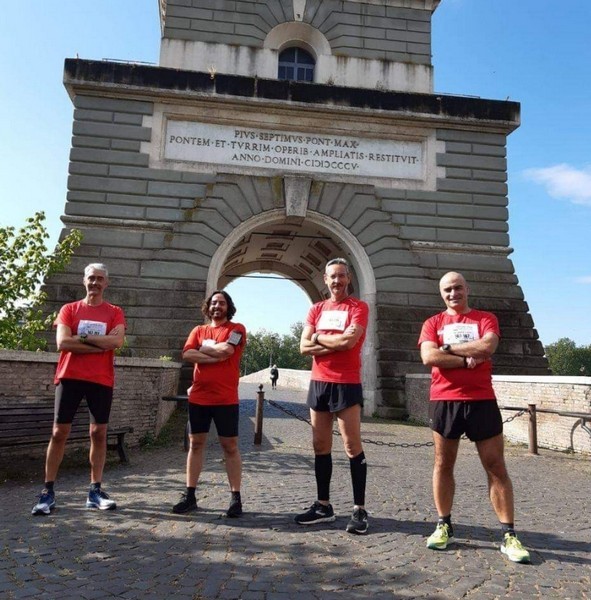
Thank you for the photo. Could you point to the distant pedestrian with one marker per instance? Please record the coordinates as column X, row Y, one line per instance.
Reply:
column 215, row 349
column 333, row 335
column 88, row 332
column 458, row 344
column 274, row 374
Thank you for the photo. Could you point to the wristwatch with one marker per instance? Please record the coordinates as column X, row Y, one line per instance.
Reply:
column 445, row 348
column 315, row 338
column 83, row 337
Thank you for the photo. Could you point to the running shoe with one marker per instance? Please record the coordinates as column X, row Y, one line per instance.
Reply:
column 441, row 537
column 185, row 505
column 358, row 522
column 514, row 550
column 317, row 513
column 99, row 499
column 235, row 510
column 45, row 504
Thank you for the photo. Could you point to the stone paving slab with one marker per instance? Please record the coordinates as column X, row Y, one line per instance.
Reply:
column 142, row 550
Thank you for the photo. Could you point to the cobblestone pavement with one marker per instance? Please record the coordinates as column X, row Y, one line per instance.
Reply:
column 142, row 550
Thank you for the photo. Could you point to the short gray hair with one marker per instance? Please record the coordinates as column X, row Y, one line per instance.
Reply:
column 338, row 261
column 97, row 267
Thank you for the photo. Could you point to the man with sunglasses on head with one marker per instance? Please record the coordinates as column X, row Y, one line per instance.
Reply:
column 458, row 345
column 333, row 335
column 215, row 349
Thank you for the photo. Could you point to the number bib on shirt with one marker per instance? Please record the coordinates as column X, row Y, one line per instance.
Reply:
column 459, row 333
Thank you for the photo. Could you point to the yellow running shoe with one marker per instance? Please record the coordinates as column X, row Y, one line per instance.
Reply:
column 441, row 537
column 514, row 550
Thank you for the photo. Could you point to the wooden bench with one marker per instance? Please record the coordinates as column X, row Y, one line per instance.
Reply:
column 26, row 423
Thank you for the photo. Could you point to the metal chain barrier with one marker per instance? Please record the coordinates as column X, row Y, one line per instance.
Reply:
column 291, row 413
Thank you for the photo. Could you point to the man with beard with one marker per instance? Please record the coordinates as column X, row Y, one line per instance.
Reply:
column 215, row 349
column 333, row 335
column 88, row 332
column 458, row 345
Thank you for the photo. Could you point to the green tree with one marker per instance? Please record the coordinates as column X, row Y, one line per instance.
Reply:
column 265, row 348
column 24, row 263
column 566, row 358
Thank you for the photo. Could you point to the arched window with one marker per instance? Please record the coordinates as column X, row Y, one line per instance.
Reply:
column 296, row 64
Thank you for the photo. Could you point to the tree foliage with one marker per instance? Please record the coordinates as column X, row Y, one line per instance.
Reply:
column 566, row 358
column 265, row 348
column 24, row 263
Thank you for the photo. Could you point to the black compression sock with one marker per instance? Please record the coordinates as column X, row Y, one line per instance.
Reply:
column 236, row 499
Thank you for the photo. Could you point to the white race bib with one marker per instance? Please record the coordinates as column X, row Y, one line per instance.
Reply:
column 92, row 328
column 459, row 333
column 332, row 320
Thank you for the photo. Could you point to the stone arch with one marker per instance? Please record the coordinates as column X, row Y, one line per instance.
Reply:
column 297, row 34
column 363, row 276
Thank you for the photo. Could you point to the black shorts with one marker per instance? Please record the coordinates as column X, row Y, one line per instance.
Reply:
column 70, row 392
column 333, row 397
column 225, row 417
column 478, row 419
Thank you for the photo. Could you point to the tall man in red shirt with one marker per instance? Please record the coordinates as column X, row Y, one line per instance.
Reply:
column 215, row 350
column 458, row 344
column 88, row 332
column 333, row 336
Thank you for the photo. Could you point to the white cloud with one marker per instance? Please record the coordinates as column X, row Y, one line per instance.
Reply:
column 564, row 181
column 585, row 279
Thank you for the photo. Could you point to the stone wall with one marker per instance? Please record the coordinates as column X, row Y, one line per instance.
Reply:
column 366, row 30
column 139, row 386
column 569, row 394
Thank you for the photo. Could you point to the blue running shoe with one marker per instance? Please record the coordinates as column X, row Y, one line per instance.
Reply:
column 99, row 499
column 45, row 504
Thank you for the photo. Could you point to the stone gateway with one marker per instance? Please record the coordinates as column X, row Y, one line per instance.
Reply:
column 273, row 136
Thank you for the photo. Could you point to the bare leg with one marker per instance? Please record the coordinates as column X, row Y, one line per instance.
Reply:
column 233, row 461
column 98, row 451
column 500, row 488
column 446, row 452
column 56, row 449
column 195, row 455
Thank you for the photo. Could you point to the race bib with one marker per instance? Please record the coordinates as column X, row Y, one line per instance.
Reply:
column 208, row 343
column 332, row 320
column 92, row 328
column 459, row 333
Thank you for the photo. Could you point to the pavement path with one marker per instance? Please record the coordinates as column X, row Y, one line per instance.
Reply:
column 142, row 550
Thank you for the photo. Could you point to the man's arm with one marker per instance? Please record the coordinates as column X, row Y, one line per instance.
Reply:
column 468, row 354
column 200, row 358
column 221, row 350
column 340, row 341
column 113, row 340
column 310, row 348
column 483, row 348
column 66, row 342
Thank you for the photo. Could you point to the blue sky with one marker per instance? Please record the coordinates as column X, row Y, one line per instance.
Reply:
column 535, row 52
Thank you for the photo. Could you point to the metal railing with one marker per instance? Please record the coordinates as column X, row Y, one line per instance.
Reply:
column 532, row 410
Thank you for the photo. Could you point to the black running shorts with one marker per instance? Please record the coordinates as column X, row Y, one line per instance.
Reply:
column 225, row 418
column 70, row 392
column 478, row 419
column 333, row 397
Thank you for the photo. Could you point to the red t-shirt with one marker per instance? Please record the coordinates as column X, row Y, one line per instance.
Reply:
column 93, row 320
column 334, row 317
column 216, row 383
column 462, row 383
